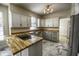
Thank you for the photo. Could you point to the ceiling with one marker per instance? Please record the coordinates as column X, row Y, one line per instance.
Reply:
column 38, row 7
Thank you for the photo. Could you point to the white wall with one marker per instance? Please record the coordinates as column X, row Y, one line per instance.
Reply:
column 20, row 10
column 75, row 8
column 4, row 10
column 64, row 13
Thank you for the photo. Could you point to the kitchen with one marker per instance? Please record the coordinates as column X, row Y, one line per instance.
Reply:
column 28, row 31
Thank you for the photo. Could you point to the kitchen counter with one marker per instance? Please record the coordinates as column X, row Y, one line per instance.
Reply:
column 17, row 45
column 18, row 31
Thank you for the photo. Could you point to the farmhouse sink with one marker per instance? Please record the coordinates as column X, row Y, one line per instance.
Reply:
column 24, row 36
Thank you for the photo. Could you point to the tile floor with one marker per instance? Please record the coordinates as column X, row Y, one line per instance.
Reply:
column 53, row 49
column 49, row 48
column 5, row 52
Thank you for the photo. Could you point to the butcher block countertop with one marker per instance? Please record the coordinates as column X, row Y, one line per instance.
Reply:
column 17, row 45
column 18, row 31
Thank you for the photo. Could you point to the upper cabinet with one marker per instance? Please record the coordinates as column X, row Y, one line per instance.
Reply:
column 19, row 20
column 42, row 23
column 23, row 21
column 16, row 20
column 52, row 22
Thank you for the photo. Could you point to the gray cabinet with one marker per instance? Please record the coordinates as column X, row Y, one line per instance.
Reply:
column 52, row 36
column 36, row 49
column 55, row 36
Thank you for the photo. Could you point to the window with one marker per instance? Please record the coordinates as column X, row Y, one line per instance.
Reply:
column 1, row 24
column 33, row 22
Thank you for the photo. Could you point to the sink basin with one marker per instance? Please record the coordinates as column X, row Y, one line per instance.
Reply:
column 24, row 36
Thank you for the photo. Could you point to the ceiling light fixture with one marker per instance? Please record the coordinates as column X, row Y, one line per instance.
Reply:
column 48, row 9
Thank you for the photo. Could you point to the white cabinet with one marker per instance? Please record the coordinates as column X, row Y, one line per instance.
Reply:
column 42, row 23
column 28, row 21
column 19, row 20
column 15, row 20
column 52, row 22
column 24, row 21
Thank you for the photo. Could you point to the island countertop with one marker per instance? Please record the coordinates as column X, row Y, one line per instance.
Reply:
column 16, row 44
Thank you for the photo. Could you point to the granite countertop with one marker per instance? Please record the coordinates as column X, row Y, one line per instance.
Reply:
column 16, row 44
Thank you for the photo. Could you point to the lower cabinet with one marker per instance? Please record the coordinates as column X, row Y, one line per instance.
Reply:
column 52, row 36
column 34, row 50
column 55, row 36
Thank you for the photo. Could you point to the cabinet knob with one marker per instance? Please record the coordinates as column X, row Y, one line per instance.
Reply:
column 20, row 24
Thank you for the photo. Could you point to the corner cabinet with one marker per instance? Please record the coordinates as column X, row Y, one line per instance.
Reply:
column 19, row 20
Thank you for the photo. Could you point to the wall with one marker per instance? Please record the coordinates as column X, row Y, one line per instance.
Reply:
column 64, row 13
column 4, row 9
column 75, row 9
column 20, row 10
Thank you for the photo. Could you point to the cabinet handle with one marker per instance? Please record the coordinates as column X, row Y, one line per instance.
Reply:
column 20, row 24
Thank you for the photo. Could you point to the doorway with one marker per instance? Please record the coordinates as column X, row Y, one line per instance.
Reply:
column 64, row 30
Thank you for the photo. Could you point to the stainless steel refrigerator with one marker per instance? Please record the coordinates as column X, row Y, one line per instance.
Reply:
column 74, row 35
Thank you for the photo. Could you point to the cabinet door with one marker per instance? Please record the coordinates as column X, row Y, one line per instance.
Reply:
column 56, row 22
column 36, row 49
column 28, row 21
column 49, row 35
column 55, row 36
column 24, row 21
column 15, row 20
column 42, row 23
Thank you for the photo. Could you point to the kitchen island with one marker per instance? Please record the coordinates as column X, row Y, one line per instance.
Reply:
column 17, row 45
column 33, row 45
